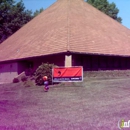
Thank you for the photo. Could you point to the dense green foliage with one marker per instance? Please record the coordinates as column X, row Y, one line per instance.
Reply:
column 44, row 70
column 37, row 12
column 13, row 16
column 108, row 8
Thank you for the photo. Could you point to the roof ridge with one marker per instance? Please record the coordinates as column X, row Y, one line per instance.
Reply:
column 68, row 23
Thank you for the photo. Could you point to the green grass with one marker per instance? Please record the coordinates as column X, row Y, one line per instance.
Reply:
column 96, row 104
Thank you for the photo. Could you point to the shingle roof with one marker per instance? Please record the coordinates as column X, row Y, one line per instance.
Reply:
column 68, row 25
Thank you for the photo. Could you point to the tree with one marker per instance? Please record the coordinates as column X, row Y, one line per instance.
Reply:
column 12, row 17
column 108, row 8
column 37, row 12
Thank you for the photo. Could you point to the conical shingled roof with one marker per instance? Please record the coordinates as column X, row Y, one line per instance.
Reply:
column 68, row 25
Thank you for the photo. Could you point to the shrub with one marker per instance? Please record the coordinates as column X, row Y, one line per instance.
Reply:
column 45, row 69
column 23, row 78
column 15, row 80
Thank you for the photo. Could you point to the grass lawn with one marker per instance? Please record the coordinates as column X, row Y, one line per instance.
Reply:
column 96, row 104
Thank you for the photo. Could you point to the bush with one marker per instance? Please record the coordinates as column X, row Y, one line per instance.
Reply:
column 23, row 78
column 45, row 69
column 15, row 80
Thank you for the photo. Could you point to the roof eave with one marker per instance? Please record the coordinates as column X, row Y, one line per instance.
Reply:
column 29, row 58
column 99, row 54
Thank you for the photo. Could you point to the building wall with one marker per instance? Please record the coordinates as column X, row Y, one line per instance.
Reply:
column 11, row 69
column 100, row 62
column 31, row 64
column 22, row 65
column 8, row 71
column 89, row 62
column 55, row 59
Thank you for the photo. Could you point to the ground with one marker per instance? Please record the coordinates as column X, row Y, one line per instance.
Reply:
column 99, row 103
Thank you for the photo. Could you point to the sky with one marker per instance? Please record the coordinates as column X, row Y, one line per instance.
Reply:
column 122, row 5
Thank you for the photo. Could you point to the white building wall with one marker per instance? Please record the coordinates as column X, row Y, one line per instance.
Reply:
column 8, row 71
column 68, row 60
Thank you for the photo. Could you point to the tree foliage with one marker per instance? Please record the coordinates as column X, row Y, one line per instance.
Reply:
column 45, row 69
column 108, row 8
column 37, row 12
column 13, row 15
